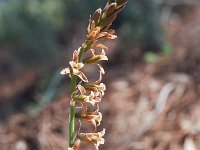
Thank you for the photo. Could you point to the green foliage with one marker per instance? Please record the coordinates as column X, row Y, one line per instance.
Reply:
column 27, row 34
column 150, row 57
column 166, row 48
column 51, row 10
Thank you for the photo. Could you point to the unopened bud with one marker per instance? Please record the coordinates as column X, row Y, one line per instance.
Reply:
column 99, row 46
column 119, row 9
column 111, row 8
column 95, row 59
column 94, row 33
column 97, row 15
column 108, row 21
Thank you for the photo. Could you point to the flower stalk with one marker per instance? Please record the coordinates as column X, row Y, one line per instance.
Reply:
column 72, row 113
column 86, row 93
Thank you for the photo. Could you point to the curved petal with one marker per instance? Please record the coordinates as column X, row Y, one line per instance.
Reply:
column 82, row 77
column 80, row 65
column 75, row 56
column 65, row 71
column 72, row 64
column 81, row 89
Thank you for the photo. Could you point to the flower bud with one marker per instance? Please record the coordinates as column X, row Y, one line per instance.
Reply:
column 92, row 35
column 111, row 8
column 99, row 46
column 97, row 15
column 119, row 9
column 109, row 20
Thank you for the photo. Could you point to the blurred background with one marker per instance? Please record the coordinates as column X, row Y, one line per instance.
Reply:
column 153, row 84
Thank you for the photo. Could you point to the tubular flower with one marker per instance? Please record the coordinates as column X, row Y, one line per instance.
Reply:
column 93, row 118
column 75, row 67
column 90, row 92
column 94, row 33
column 94, row 45
column 86, row 98
column 93, row 138
column 96, row 88
column 95, row 58
column 92, row 98
column 106, row 35
column 101, row 72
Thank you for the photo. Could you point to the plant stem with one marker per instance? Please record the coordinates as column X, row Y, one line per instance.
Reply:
column 72, row 113
column 72, row 106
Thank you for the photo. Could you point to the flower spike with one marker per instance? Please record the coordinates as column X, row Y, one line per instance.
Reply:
column 84, row 91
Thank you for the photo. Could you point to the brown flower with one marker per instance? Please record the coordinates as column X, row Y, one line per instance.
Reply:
column 93, row 118
column 99, row 46
column 94, row 33
column 96, row 88
column 74, row 68
column 92, row 98
column 93, row 138
column 95, row 58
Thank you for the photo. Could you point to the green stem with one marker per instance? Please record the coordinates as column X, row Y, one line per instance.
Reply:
column 72, row 113
column 72, row 106
column 72, row 101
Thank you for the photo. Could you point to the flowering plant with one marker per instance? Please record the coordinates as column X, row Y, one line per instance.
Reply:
column 87, row 92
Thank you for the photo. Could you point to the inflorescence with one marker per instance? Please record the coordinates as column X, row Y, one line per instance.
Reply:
column 88, row 92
